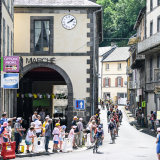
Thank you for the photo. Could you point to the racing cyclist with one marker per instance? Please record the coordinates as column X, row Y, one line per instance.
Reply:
column 111, row 127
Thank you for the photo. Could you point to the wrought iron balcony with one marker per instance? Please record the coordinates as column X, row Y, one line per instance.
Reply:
column 149, row 45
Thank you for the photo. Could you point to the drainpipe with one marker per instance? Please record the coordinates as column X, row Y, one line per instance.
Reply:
column 94, row 50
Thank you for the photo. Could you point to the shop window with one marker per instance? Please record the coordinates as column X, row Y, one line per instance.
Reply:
column 151, row 28
column 7, row 40
column 42, row 36
column 4, row 30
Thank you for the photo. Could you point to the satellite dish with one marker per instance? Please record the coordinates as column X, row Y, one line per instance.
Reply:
column 125, row 83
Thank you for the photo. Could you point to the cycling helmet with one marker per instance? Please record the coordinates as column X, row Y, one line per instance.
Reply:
column 113, row 110
column 112, row 119
column 99, row 126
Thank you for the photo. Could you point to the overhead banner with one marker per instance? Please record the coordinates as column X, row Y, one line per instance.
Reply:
column 10, row 64
column 10, row 81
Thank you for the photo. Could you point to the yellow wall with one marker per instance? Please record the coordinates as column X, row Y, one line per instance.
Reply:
column 113, row 73
column 76, row 68
column 8, row 22
column 64, row 40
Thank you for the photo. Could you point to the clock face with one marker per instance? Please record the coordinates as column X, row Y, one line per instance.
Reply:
column 69, row 22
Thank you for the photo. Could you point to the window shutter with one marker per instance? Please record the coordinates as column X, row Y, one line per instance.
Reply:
column 109, row 82
column 121, row 82
column 116, row 83
column 104, row 82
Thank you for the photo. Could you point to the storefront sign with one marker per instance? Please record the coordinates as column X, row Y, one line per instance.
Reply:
column 10, row 80
column 36, row 60
column 144, row 104
column 10, row 64
column 158, row 115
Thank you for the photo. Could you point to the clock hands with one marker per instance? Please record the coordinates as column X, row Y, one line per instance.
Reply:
column 70, row 20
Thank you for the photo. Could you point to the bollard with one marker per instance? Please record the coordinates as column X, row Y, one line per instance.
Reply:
column 67, row 145
column 88, row 144
column 8, row 154
column 39, row 148
column 22, row 149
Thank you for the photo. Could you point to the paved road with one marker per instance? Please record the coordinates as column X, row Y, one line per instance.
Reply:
column 130, row 145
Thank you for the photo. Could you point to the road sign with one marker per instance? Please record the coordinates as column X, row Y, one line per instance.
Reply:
column 79, row 104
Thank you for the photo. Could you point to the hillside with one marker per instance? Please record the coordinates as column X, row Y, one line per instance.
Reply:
column 119, row 17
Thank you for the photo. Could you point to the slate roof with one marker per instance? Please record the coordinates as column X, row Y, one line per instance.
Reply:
column 54, row 3
column 103, row 50
column 116, row 54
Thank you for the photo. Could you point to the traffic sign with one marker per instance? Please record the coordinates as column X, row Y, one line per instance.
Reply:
column 79, row 104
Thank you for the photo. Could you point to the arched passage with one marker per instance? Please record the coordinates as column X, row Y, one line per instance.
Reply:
column 33, row 66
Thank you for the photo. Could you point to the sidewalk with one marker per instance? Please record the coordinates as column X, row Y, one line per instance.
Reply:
column 133, row 122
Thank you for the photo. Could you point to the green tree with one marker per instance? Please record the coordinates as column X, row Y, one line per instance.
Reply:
column 119, row 19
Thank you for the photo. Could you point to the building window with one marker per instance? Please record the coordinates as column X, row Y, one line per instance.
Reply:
column 158, row 2
column 119, row 82
column 11, row 44
column 107, row 66
column 4, row 30
column 8, row 5
column 107, row 82
column 12, row 8
column 151, row 69
column 42, row 33
column 7, row 40
column 151, row 5
column 119, row 66
column 158, row 24
column 151, row 28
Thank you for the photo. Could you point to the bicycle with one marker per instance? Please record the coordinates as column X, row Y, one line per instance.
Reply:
column 113, row 136
column 96, row 146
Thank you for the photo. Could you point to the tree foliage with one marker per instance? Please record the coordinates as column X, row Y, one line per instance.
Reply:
column 119, row 17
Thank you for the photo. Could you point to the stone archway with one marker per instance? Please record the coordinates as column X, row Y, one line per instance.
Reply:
column 31, row 66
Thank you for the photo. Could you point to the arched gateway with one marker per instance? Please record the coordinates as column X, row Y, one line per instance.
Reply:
column 65, row 76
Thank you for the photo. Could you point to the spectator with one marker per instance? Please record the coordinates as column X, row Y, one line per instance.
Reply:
column 5, row 119
column 38, row 126
column 62, row 136
column 17, row 132
column 56, row 133
column 72, row 134
column 37, row 110
column 9, row 129
column 47, row 134
column 152, row 121
column 2, row 132
column 74, row 123
column 42, row 114
column 34, row 116
column 34, row 133
column 80, row 128
column 29, row 138
column 44, row 124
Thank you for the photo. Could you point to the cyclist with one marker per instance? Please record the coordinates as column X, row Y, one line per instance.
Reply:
column 111, row 127
column 108, row 113
column 99, row 133
column 120, row 115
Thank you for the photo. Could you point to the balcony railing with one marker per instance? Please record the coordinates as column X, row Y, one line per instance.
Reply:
column 128, row 70
column 131, row 85
column 157, row 74
column 148, row 43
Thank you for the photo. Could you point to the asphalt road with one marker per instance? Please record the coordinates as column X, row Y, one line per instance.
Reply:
column 130, row 145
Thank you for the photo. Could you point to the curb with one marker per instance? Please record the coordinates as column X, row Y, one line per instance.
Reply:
column 143, row 130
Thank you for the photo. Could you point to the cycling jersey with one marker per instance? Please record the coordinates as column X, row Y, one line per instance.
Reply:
column 111, row 126
column 99, row 132
column 108, row 113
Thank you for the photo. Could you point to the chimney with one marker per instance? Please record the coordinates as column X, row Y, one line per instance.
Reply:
column 113, row 44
